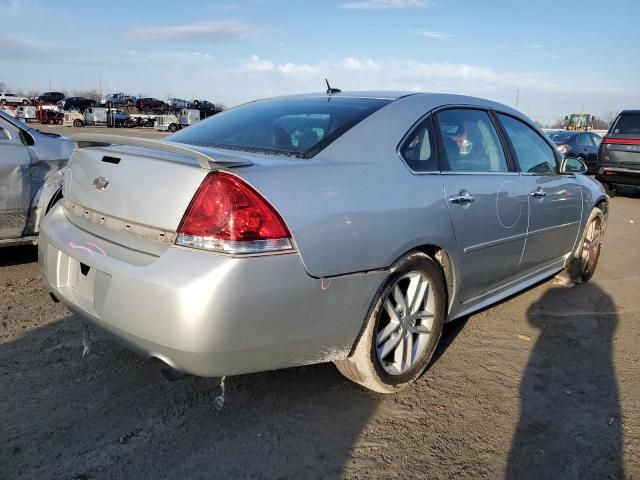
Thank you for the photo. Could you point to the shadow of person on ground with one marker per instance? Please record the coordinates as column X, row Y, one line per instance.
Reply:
column 570, row 418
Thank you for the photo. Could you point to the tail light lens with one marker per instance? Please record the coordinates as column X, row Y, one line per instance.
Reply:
column 227, row 215
column 621, row 141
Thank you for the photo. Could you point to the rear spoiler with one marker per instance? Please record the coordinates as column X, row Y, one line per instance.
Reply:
column 84, row 140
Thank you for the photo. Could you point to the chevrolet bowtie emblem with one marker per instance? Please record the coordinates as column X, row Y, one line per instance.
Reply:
column 100, row 183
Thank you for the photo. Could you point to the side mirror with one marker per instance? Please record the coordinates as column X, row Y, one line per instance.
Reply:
column 572, row 165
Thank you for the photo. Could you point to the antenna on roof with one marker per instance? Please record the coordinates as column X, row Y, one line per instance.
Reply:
column 331, row 91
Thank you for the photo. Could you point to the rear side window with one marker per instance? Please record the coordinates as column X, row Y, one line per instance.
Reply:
column 628, row 124
column 533, row 153
column 298, row 127
column 470, row 141
column 419, row 149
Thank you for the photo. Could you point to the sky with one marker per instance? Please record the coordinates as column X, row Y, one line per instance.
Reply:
column 547, row 58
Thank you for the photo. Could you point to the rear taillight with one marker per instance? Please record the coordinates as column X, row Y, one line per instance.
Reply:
column 227, row 215
column 622, row 141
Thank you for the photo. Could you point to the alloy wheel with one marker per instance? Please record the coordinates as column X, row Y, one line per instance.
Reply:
column 591, row 246
column 405, row 323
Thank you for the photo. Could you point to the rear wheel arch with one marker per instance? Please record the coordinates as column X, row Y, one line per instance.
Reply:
column 442, row 258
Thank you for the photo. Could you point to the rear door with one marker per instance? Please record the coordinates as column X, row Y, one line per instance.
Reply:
column 15, row 184
column 486, row 199
column 555, row 200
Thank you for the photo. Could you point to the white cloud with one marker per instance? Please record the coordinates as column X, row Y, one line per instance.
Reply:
column 215, row 31
column 255, row 64
column 384, row 4
column 254, row 77
column 436, row 35
column 358, row 65
column 300, row 69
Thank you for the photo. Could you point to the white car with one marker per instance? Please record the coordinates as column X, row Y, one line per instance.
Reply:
column 179, row 103
column 12, row 98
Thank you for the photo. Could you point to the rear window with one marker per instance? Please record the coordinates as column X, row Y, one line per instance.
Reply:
column 296, row 127
column 629, row 124
column 560, row 137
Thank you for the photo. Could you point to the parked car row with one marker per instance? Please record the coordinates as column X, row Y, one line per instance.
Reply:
column 614, row 159
column 112, row 100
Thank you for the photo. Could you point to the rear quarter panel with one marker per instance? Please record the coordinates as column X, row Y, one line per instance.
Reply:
column 355, row 206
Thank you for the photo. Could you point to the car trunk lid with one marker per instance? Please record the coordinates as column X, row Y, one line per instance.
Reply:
column 136, row 191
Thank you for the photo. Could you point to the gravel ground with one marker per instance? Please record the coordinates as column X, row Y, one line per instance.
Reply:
column 543, row 385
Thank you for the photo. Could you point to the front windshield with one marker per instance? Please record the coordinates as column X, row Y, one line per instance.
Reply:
column 298, row 127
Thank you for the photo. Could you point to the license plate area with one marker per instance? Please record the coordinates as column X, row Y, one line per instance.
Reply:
column 82, row 278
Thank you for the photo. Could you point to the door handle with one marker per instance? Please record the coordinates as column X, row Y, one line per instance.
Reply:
column 538, row 193
column 463, row 198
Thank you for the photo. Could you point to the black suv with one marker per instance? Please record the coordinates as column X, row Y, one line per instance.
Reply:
column 619, row 153
column 50, row 97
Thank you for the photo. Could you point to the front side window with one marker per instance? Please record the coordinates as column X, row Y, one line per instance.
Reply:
column 533, row 153
column 418, row 150
column 470, row 141
column 298, row 127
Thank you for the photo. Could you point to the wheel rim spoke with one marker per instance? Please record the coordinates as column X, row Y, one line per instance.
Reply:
column 398, row 296
column 387, row 347
column 420, row 329
column 408, row 351
column 391, row 311
column 416, row 292
column 387, row 331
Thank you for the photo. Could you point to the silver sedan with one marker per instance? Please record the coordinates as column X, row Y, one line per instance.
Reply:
column 30, row 178
column 342, row 227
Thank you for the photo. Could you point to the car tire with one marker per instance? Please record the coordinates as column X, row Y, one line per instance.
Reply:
column 610, row 189
column 25, row 102
column 173, row 128
column 374, row 363
column 584, row 260
column 78, row 123
column 3, row 102
column 51, row 121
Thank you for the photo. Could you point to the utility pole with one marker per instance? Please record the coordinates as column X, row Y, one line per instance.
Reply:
column 517, row 99
column 100, row 86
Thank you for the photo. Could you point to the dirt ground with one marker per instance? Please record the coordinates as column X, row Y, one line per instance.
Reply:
column 542, row 386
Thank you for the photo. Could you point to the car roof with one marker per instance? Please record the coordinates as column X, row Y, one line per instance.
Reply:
column 635, row 112
column 429, row 99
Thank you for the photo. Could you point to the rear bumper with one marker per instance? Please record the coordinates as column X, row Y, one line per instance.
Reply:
column 618, row 175
column 201, row 313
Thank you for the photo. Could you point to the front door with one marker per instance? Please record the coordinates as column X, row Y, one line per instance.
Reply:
column 486, row 200
column 15, row 183
column 555, row 200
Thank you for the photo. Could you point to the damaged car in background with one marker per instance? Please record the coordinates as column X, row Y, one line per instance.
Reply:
column 337, row 227
column 31, row 165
